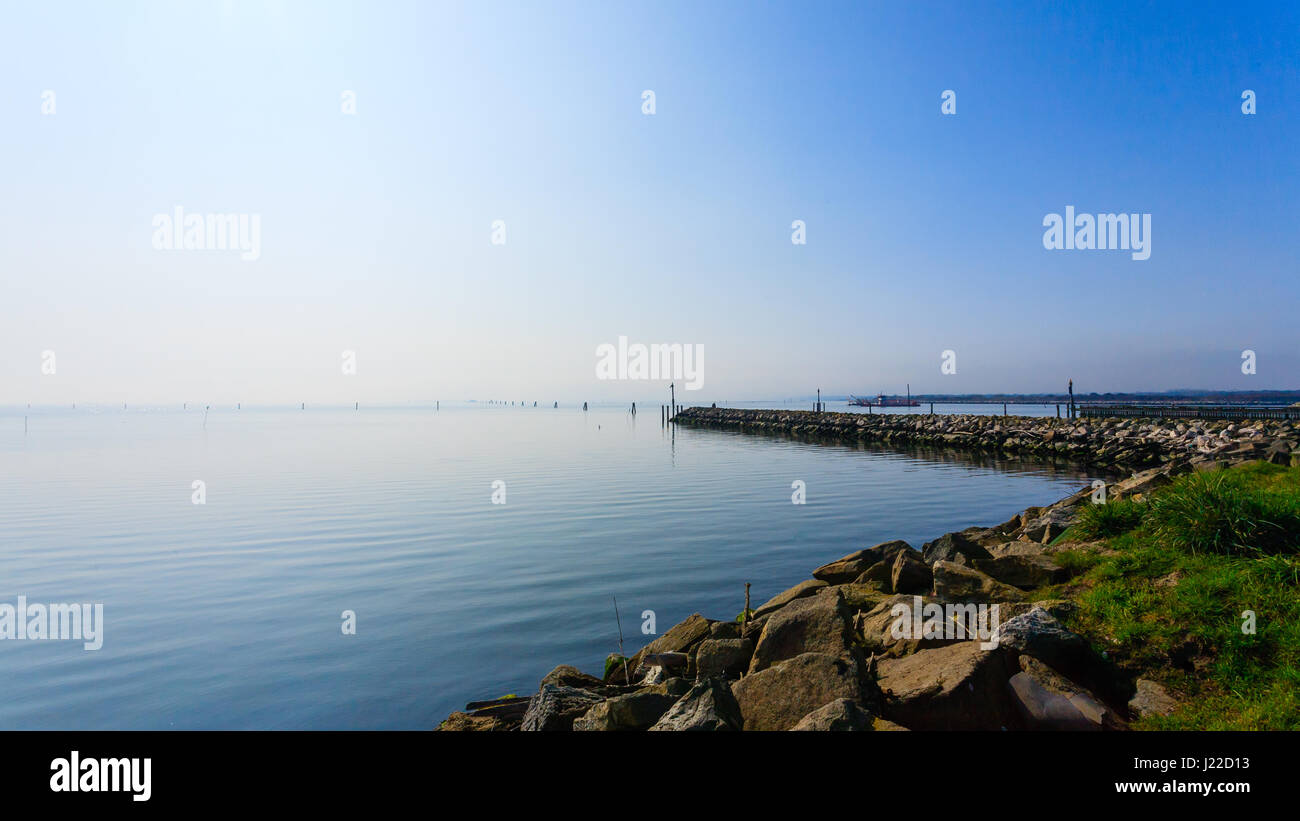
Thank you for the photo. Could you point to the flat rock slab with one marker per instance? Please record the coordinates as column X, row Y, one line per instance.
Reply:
column 1049, row 701
column 804, row 588
column 958, row 687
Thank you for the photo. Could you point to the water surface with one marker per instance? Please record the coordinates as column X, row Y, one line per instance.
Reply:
column 227, row 615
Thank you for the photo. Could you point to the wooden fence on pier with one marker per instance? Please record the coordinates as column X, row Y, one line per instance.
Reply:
column 1191, row 411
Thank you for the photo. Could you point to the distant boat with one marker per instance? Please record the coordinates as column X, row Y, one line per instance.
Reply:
column 882, row 401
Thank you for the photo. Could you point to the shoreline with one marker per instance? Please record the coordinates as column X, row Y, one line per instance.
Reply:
column 826, row 654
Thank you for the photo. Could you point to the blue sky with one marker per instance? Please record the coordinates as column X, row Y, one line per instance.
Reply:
column 924, row 231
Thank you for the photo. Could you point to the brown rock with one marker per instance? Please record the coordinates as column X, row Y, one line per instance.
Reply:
column 910, row 574
column 953, row 582
column 805, row 588
column 778, row 697
column 725, row 658
column 678, row 639
column 813, row 625
column 568, row 676
column 958, row 687
column 855, row 564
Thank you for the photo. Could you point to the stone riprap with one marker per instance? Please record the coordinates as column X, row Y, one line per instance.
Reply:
column 1113, row 443
column 828, row 654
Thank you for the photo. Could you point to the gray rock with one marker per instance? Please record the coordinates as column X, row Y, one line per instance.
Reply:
column 555, row 707
column 1049, row 525
column 708, row 706
column 1048, row 701
column 953, row 547
column 1038, row 634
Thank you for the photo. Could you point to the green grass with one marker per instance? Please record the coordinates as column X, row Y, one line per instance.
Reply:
column 1168, row 603
column 1248, row 510
column 1110, row 519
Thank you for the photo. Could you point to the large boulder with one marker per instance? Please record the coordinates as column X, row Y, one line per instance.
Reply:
column 1026, row 572
column 957, row 687
column 804, row 588
column 707, row 706
column 813, row 625
column 910, row 574
column 1047, row 700
column 633, row 711
column 953, row 547
column 778, row 697
column 853, row 565
column 1040, row 635
column 555, row 707
column 953, row 582
column 843, row 715
column 727, row 658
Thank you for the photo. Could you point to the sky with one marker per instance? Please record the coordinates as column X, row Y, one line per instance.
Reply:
column 924, row 230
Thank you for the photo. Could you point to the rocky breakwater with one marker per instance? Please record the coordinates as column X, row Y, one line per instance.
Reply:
column 1112, row 443
column 948, row 637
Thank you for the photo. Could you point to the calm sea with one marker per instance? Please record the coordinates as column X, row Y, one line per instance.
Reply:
column 228, row 614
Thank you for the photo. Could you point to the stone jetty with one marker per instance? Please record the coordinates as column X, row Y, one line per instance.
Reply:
column 945, row 636
column 1111, row 443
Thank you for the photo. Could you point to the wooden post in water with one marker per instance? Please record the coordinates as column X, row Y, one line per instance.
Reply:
column 932, row 409
column 745, row 616
column 1004, row 408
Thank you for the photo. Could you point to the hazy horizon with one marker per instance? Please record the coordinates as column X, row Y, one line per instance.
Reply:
column 924, row 231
